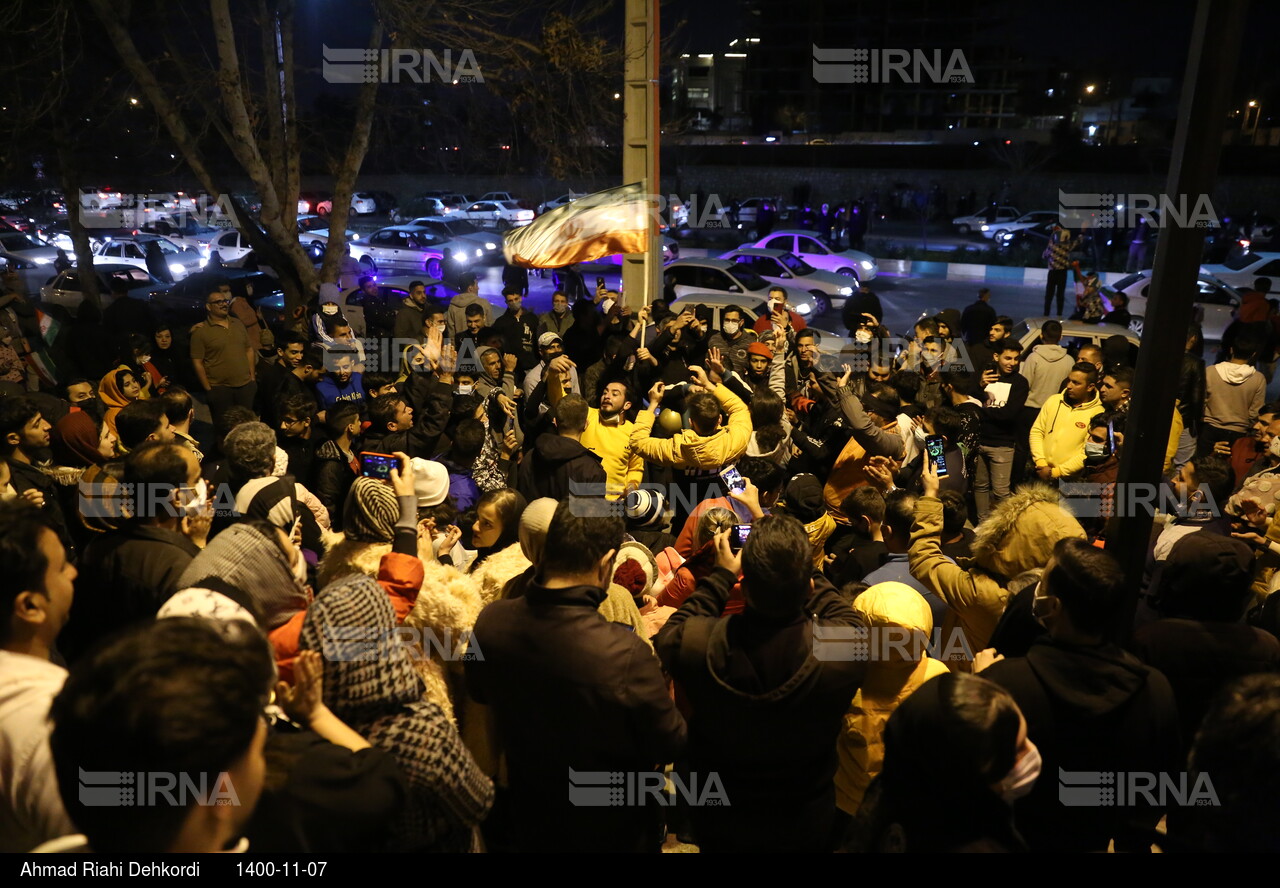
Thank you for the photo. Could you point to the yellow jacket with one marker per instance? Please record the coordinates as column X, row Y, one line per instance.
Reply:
column 612, row 443
column 688, row 449
column 860, row 743
column 1018, row 535
column 1059, row 433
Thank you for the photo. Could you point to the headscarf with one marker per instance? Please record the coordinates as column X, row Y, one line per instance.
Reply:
column 244, row 557
column 534, row 524
column 370, row 683
column 111, row 396
column 75, row 441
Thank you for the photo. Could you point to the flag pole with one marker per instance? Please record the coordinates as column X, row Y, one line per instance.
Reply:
column 640, row 132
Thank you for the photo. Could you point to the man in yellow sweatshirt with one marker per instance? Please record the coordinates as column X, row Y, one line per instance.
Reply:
column 709, row 443
column 1058, row 434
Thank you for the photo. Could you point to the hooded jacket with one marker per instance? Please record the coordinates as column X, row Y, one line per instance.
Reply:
column 1090, row 709
column 1018, row 535
column 889, row 608
column 558, row 467
column 751, row 676
column 1045, row 369
column 1234, row 394
column 572, row 692
column 1059, row 432
column 371, row 684
column 689, row 450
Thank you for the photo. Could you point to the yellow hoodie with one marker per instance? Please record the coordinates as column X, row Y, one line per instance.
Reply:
column 612, row 443
column 689, row 450
column 1059, row 433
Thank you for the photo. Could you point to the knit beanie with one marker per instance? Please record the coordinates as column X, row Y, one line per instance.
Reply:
column 759, row 348
column 535, row 521
column 371, row 512
column 644, row 508
column 329, row 292
column 430, row 482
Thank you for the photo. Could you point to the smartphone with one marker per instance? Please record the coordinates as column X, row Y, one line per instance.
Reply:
column 378, row 465
column 732, row 479
column 933, row 447
column 510, row 425
column 738, row 536
column 599, row 282
column 1111, row 437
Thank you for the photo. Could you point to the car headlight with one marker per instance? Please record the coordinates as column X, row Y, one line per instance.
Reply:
column 490, row 246
column 986, row 228
column 479, row 253
column 459, row 257
column 804, row 309
column 43, row 260
column 845, row 291
column 175, row 268
column 203, row 262
column 866, row 265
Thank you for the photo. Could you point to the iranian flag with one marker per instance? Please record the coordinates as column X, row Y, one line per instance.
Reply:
column 618, row 220
column 49, row 326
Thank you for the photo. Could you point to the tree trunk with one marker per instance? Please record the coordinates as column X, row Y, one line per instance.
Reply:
column 71, row 183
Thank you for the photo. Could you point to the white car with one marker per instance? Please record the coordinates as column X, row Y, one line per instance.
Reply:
column 1075, row 335
column 499, row 215
column 15, row 243
column 975, row 221
column 409, row 249
column 498, row 196
column 363, row 203
column 805, row 244
column 1215, row 303
column 748, row 212
column 92, row 198
column 189, row 234
column 231, row 246
column 780, row 267
column 1241, row 271
column 753, row 306
column 313, row 233
column 132, row 250
column 63, row 289
column 558, row 201
column 996, row 229
column 723, row 279
column 453, row 228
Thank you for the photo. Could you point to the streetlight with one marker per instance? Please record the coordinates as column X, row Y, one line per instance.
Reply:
column 133, row 101
column 617, row 95
column 1090, row 88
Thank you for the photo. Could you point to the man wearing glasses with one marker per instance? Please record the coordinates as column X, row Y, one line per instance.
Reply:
column 223, row 357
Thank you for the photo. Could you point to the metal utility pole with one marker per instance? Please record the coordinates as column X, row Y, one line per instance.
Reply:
column 1215, row 40
column 642, row 272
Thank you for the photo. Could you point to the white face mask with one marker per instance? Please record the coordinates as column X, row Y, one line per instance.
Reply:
column 464, row 389
column 1022, row 779
column 329, row 308
column 1093, row 448
column 731, row 328
column 862, row 334
column 144, row 359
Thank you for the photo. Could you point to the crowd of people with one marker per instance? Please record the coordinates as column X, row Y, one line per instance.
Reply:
column 472, row 599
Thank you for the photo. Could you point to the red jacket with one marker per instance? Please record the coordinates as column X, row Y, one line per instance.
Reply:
column 1253, row 308
column 764, row 323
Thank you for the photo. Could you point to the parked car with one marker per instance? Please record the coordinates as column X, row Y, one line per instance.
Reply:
column 1242, row 270
column 753, row 306
column 132, row 250
column 25, row 246
column 410, row 249
column 497, row 215
column 184, row 302
column 315, row 202
column 748, row 213
column 186, row 232
column 451, row 199
column 806, row 245
column 313, row 233
column 363, row 203
column 780, row 267
column 997, row 229
column 230, row 245
column 498, row 196
column 1075, row 335
column 92, row 198
column 376, row 316
column 418, row 207
column 720, row 277
column 1215, row 303
column 670, row 252
column 64, row 289
column 560, row 201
